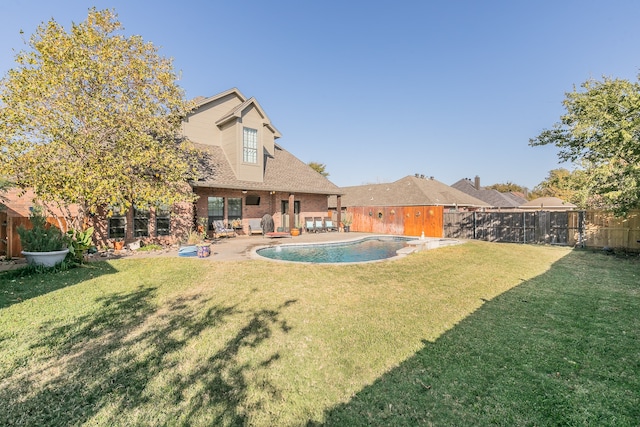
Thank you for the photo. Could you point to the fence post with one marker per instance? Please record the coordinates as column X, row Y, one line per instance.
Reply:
column 474, row 225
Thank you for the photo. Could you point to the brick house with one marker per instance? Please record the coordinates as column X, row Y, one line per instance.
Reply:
column 247, row 173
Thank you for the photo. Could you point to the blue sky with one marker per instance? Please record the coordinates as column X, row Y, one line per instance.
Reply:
column 377, row 90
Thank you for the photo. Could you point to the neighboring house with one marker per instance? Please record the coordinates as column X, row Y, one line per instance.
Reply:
column 409, row 191
column 494, row 198
column 408, row 206
column 247, row 174
column 548, row 204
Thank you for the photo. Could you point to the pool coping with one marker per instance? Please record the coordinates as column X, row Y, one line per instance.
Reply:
column 416, row 244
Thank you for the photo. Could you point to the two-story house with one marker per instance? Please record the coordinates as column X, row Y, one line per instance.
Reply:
column 248, row 173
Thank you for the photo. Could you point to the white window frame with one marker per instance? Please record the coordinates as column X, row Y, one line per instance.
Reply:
column 249, row 145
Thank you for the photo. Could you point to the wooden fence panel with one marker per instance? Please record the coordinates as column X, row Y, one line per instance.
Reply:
column 514, row 227
column 458, row 225
column 398, row 220
column 605, row 230
column 4, row 244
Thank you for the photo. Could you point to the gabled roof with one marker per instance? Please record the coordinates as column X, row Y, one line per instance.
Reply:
column 201, row 100
column 408, row 191
column 492, row 197
column 282, row 172
column 237, row 112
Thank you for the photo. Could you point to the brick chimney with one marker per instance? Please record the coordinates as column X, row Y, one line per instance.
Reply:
column 476, row 182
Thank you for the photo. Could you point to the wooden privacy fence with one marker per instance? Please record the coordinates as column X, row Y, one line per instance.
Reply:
column 595, row 229
column 604, row 230
column 561, row 228
column 402, row 220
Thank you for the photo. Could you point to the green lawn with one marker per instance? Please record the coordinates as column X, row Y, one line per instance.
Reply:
column 475, row 334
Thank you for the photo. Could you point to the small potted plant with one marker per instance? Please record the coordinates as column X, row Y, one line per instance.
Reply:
column 118, row 244
column 346, row 222
column 43, row 244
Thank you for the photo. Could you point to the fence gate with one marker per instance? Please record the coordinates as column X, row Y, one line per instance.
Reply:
column 559, row 228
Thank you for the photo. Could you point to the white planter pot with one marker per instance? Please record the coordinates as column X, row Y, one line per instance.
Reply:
column 46, row 259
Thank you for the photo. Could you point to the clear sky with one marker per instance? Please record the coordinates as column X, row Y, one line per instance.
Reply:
column 377, row 90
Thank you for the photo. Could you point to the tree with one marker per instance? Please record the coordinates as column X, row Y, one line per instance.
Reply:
column 319, row 167
column 91, row 118
column 507, row 187
column 565, row 185
column 600, row 133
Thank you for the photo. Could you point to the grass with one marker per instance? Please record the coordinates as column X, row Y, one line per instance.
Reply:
column 476, row 334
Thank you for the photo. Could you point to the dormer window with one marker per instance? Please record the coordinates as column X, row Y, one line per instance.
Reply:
column 249, row 145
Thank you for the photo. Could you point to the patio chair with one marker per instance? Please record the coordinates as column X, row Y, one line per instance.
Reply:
column 318, row 225
column 308, row 225
column 329, row 225
column 219, row 230
column 255, row 226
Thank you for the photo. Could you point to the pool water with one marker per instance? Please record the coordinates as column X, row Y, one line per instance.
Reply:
column 363, row 250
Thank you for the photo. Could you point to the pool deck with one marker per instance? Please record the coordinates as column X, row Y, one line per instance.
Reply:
column 237, row 248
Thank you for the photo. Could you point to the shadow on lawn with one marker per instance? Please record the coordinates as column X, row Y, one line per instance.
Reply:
column 560, row 349
column 16, row 288
column 113, row 360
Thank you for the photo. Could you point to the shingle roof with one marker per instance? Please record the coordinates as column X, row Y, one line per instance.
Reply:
column 283, row 172
column 408, row 191
column 548, row 202
column 494, row 198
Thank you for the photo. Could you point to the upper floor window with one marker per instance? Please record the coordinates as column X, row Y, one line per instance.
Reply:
column 250, row 145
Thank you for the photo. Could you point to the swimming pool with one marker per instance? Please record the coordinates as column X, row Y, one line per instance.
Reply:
column 373, row 248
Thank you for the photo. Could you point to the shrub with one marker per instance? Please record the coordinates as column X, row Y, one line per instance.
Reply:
column 42, row 237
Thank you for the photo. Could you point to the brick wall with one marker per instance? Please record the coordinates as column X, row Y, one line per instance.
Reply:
column 270, row 203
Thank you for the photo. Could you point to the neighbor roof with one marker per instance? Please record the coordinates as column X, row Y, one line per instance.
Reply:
column 283, row 172
column 408, row 191
column 493, row 197
column 549, row 203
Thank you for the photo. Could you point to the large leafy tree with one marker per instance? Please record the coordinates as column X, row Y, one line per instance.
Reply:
column 91, row 118
column 564, row 184
column 600, row 133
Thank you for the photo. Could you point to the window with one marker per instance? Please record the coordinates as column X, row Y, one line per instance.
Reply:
column 216, row 210
column 140, row 222
column 250, row 145
column 163, row 221
column 235, row 208
column 117, row 225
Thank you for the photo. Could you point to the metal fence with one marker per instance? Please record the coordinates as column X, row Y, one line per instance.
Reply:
column 560, row 228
